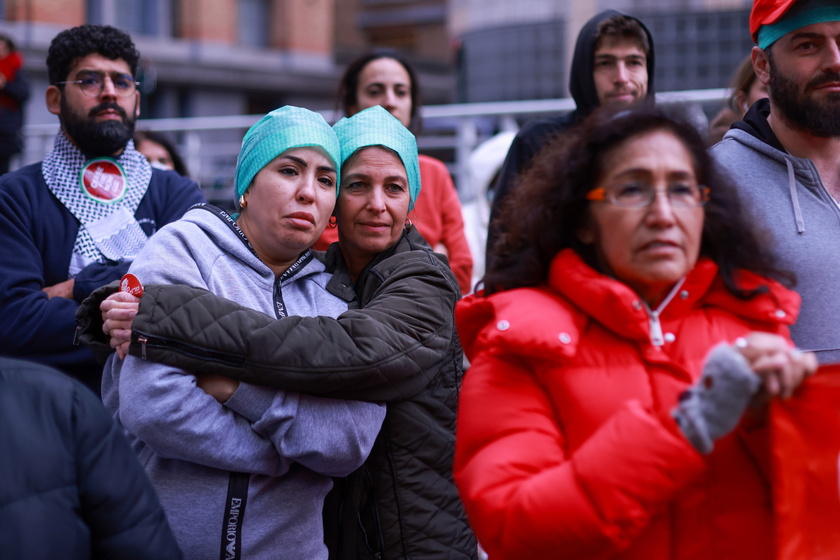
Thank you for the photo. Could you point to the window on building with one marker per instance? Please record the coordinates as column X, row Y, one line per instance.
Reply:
column 400, row 37
column 254, row 21
column 146, row 17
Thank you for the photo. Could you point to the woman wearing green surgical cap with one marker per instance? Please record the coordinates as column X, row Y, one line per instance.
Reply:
column 225, row 472
column 397, row 344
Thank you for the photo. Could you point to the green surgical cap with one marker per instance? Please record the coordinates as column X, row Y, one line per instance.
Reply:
column 375, row 126
column 280, row 130
column 802, row 14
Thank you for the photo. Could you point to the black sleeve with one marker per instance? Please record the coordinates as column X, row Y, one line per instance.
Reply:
column 89, row 322
column 18, row 89
column 526, row 144
column 118, row 502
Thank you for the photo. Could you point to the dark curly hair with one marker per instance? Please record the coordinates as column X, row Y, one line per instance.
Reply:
column 548, row 207
column 77, row 42
column 349, row 85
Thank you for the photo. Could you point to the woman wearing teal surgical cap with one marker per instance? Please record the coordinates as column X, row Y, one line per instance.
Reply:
column 225, row 472
column 384, row 77
column 397, row 344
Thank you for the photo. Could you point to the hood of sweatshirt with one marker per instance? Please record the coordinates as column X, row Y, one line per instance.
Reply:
column 581, row 81
column 755, row 124
column 760, row 137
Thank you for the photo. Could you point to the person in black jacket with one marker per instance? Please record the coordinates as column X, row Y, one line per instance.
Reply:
column 612, row 65
column 14, row 92
column 70, row 484
column 397, row 344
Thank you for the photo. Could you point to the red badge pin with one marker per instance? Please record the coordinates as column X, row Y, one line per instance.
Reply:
column 103, row 180
column 132, row 285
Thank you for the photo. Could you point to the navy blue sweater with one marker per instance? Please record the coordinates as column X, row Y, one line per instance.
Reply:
column 37, row 234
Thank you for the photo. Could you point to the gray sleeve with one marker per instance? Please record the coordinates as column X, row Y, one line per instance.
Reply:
column 329, row 436
column 164, row 407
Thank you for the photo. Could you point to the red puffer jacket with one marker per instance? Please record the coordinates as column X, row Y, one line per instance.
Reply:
column 565, row 445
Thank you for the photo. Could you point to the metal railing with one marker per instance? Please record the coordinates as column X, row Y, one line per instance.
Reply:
column 209, row 145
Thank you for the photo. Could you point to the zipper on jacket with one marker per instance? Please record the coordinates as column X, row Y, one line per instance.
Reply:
column 147, row 341
column 657, row 338
column 142, row 340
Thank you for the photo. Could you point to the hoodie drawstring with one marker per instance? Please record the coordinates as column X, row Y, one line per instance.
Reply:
column 794, row 198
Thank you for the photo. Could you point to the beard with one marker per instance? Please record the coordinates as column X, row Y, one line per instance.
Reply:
column 803, row 109
column 97, row 139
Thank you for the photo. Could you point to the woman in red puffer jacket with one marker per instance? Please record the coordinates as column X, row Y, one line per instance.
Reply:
column 631, row 332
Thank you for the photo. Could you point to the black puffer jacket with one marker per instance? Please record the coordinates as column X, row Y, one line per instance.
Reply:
column 402, row 348
column 70, row 484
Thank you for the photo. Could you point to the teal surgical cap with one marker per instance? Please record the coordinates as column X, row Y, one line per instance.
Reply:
column 280, row 130
column 802, row 14
column 375, row 126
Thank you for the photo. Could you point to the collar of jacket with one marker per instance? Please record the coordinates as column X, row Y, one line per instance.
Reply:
column 531, row 317
column 340, row 284
column 755, row 124
column 616, row 306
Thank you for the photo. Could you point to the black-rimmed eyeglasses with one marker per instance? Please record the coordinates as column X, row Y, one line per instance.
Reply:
column 93, row 83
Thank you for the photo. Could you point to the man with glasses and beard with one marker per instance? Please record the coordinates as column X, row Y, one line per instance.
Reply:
column 76, row 220
column 785, row 156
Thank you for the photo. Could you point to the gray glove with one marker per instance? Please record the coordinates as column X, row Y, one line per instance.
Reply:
column 713, row 406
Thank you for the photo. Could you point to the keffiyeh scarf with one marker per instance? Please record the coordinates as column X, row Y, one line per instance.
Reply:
column 108, row 231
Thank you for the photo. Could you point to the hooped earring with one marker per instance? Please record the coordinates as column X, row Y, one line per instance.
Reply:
column 333, row 222
column 408, row 223
column 242, row 202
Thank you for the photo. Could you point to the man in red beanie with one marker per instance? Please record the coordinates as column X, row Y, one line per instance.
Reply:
column 785, row 156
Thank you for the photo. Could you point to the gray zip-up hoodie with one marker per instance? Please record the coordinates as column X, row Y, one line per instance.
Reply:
column 289, row 443
column 787, row 198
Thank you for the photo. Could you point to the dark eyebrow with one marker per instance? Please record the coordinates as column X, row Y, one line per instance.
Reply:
column 382, row 84
column 101, row 72
column 807, row 35
column 303, row 163
column 365, row 176
column 637, row 171
column 605, row 56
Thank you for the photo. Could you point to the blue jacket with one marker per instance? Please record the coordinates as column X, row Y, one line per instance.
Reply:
column 70, row 484
column 38, row 234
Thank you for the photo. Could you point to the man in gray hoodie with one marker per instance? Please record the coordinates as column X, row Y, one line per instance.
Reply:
column 784, row 156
